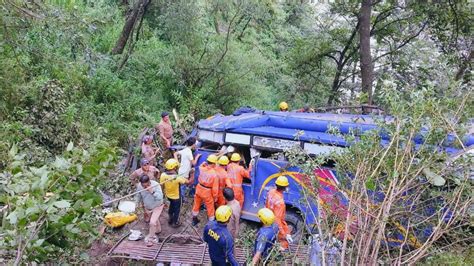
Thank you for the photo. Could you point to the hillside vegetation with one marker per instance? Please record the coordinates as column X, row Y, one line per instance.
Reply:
column 79, row 78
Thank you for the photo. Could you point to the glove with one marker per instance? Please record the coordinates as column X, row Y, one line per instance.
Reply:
column 289, row 239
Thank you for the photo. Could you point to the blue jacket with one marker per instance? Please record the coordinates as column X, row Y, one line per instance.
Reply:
column 221, row 244
column 266, row 237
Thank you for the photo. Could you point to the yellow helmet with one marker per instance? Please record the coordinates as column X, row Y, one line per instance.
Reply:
column 235, row 157
column 171, row 164
column 223, row 160
column 212, row 158
column 282, row 181
column 266, row 216
column 223, row 213
column 283, row 106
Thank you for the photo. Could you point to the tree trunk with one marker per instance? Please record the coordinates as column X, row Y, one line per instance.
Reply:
column 353, row 87
column 335, row 83
column 366, row 66
column 127, row 28
column 141, row 13
column 464, row 66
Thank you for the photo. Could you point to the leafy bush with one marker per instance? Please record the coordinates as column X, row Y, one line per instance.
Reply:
column 50, row 210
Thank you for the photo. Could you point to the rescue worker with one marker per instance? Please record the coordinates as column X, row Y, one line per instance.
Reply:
column 152, row 202
column 235, row 175
column 305, row 109
column 148, row 152
column 146, row 169
column 171, row 184
column 234, row 222
column 207, row 188
column 165, row 130
column 266, row 235
column 276, row 203
column 283, row 107
column 222, row 175
column 219, row 240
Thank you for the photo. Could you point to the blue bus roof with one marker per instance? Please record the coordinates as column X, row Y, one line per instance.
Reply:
column 308, row 127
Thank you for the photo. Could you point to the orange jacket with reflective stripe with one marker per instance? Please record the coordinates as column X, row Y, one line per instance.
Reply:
column 276, row 203
column 236, row 174
column 208, row 178
column 222, row 175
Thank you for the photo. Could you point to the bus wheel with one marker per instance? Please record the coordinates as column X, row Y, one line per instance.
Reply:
column 295, row 225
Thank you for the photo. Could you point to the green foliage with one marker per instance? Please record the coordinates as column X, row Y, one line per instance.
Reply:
column 50, row 213
column 451, row 258
column 60, row 84
column 51, row 129
column 415, row 181
column 401, row 167
column 17, row 132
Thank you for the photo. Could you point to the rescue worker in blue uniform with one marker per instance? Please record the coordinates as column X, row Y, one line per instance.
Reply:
column 266, row 235
column 218, row 238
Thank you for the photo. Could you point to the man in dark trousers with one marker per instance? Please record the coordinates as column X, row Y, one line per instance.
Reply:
column 220, row 241
column 266, row 235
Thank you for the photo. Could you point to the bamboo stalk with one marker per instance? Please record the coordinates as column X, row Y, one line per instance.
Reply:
column 136, row 192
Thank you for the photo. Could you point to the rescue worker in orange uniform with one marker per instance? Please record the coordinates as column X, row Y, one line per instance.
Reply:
column 235, row 175
column 207, row 188
column 222, row 175
column 276, row 203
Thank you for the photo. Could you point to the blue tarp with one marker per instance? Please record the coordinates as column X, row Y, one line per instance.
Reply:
column 301, row 121
column 310, row 127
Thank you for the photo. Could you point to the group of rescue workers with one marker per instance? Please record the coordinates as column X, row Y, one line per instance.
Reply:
column 219, row 189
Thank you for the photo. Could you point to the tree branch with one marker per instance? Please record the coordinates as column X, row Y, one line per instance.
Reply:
column 328, row 54
column 456, row 21
column 243, row 30
column 221, row 58
column 403, row 43
column 26, row 11
column 381, row 16
column 351, row 38
column 140, row 15
column 128, row 27
column 464, row 66
column 374, row 31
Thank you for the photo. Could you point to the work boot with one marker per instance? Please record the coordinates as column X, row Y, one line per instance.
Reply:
column 195, row 221
column 176, row 225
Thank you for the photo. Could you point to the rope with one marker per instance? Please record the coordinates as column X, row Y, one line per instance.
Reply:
column 136, row 192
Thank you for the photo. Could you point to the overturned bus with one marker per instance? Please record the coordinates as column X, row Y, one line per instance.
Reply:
column 262, row 136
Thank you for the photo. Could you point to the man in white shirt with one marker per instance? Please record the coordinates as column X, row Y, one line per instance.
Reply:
column 187, row 161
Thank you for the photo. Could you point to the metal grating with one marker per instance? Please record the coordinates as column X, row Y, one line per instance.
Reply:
column 167, row 252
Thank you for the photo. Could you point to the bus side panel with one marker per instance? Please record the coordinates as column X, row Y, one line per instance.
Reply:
column 249, row 211
column 263, row 179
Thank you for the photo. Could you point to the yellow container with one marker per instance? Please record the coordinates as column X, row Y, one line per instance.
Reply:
column 116, row 219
